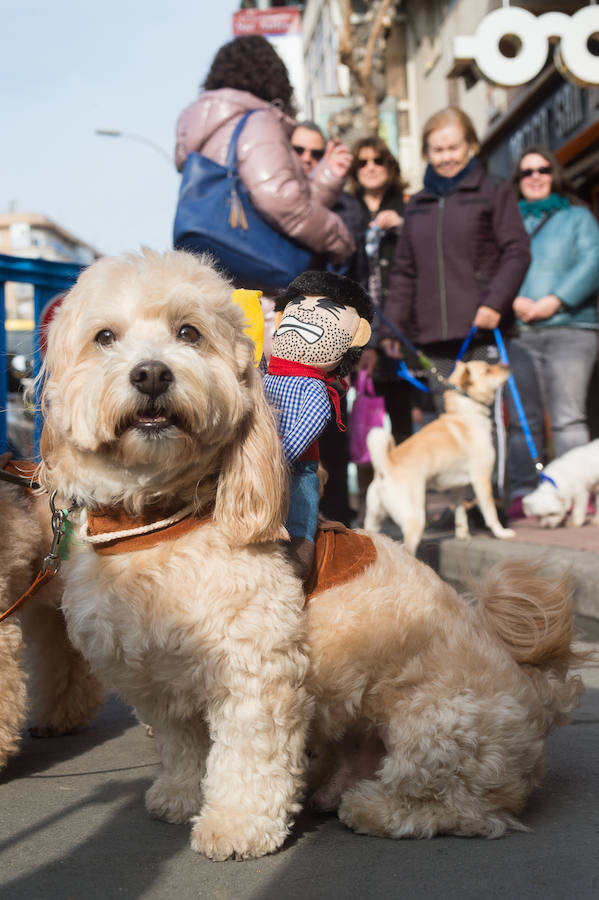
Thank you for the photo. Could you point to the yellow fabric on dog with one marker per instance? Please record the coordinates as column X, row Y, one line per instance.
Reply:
column 249, row 301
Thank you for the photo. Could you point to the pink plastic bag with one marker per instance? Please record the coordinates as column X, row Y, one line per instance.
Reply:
column 368, row 411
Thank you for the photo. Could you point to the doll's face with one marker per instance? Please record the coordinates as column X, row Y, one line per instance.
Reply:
column 315, row 331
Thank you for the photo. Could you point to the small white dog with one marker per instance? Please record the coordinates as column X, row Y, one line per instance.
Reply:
column 450, row 453
column 566, row 485
column 426, row 714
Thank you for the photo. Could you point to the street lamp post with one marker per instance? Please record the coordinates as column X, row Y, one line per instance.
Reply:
column 110, row 132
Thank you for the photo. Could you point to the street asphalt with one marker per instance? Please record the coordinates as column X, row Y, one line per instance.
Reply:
column 73, row 827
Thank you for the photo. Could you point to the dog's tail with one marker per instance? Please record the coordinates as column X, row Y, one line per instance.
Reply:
column 380, row 444
column 533, row 616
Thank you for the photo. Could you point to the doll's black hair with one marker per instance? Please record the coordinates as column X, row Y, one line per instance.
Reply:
column 327, row 284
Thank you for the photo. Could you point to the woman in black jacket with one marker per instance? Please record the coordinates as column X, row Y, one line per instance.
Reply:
column 375, row 180
column 463, row 250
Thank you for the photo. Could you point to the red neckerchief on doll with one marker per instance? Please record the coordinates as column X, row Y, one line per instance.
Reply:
column 278, row 366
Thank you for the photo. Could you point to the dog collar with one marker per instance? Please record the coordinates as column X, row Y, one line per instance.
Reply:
column 548, row 478
column 111, row 531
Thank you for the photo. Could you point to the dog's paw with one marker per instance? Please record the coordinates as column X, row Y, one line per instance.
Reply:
column 226, row 834
column 173, row 802
column 504, row 533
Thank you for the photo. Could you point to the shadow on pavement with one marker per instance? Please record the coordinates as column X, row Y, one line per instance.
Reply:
column 36, row 754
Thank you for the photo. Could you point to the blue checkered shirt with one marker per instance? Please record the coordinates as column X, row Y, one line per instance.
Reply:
column 303, row 409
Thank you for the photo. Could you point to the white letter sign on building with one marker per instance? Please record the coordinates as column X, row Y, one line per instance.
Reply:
column 572, row 55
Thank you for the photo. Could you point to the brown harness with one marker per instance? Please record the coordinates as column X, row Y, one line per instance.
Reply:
column 340, row 554
column 107, row 522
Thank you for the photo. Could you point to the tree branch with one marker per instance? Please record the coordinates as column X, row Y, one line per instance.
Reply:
column 373, row 37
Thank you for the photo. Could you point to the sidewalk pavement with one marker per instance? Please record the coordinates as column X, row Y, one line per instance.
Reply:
column 575, row 550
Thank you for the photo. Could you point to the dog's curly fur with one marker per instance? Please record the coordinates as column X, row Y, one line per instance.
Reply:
column 425, row 714
column 46, row 679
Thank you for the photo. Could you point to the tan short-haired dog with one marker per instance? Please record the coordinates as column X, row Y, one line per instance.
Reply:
column 450, row 453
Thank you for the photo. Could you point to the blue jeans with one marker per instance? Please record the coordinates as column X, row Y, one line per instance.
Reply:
column 552, row 368
column 303, row 500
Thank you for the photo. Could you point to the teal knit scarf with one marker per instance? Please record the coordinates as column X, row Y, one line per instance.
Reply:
column 539, row 208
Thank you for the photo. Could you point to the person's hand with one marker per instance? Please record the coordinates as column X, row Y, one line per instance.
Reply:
column 392, row 348
column 339, row 158
column 368, row 360
column 523, row 307
column 388, row 218
column 486, row 318
column 544, row 308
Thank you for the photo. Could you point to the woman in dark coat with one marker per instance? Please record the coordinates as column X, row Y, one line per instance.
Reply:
column 376, row 182
column 463, row 250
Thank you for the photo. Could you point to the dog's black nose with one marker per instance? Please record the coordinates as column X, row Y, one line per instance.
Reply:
column 151, row 377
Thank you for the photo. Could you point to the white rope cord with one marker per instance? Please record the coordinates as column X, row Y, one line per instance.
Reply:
column 132, row 532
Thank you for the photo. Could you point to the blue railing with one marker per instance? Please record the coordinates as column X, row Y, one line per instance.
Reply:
column 48, row 279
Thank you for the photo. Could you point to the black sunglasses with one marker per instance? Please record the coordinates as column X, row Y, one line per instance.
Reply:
column 315, row 154
column 377, row 160
column 542, row 170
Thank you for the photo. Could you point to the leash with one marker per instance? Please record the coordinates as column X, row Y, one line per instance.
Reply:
column 515, row 397
column 51, row 563
column 424, row 361
column 520, row 410
column 18, row 471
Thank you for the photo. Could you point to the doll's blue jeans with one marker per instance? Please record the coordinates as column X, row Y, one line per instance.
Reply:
column 303, row 500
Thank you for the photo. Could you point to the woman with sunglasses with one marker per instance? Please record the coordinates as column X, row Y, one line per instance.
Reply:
column 556, row 312
column 375, row 180
column 376, row 183
column 247, row 74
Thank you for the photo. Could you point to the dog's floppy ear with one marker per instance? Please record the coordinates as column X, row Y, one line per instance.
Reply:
column 252, row 492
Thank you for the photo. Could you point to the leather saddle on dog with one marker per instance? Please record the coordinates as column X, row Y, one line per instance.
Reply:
column 340, row 556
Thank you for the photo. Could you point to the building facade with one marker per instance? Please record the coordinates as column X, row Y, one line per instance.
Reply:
column 424, row 75
column 34, row 236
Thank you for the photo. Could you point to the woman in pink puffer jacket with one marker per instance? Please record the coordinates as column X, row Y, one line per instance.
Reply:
column 248, row 74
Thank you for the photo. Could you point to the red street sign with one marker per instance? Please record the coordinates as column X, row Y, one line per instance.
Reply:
column 276, row 20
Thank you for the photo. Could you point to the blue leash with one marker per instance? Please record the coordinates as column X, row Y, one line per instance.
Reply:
column 403, row 371
column 520, row 410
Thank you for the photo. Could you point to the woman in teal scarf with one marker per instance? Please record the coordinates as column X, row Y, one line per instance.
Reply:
column 556, row 310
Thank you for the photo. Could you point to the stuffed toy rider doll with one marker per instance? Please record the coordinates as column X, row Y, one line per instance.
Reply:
column 322, row 323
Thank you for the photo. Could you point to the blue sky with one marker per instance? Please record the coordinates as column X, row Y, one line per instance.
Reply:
column 68, row 67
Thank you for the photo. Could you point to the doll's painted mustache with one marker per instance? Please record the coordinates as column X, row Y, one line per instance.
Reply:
column 306, row 330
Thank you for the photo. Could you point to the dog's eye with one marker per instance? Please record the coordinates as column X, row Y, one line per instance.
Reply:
column 105, row 337
column 189, row 334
